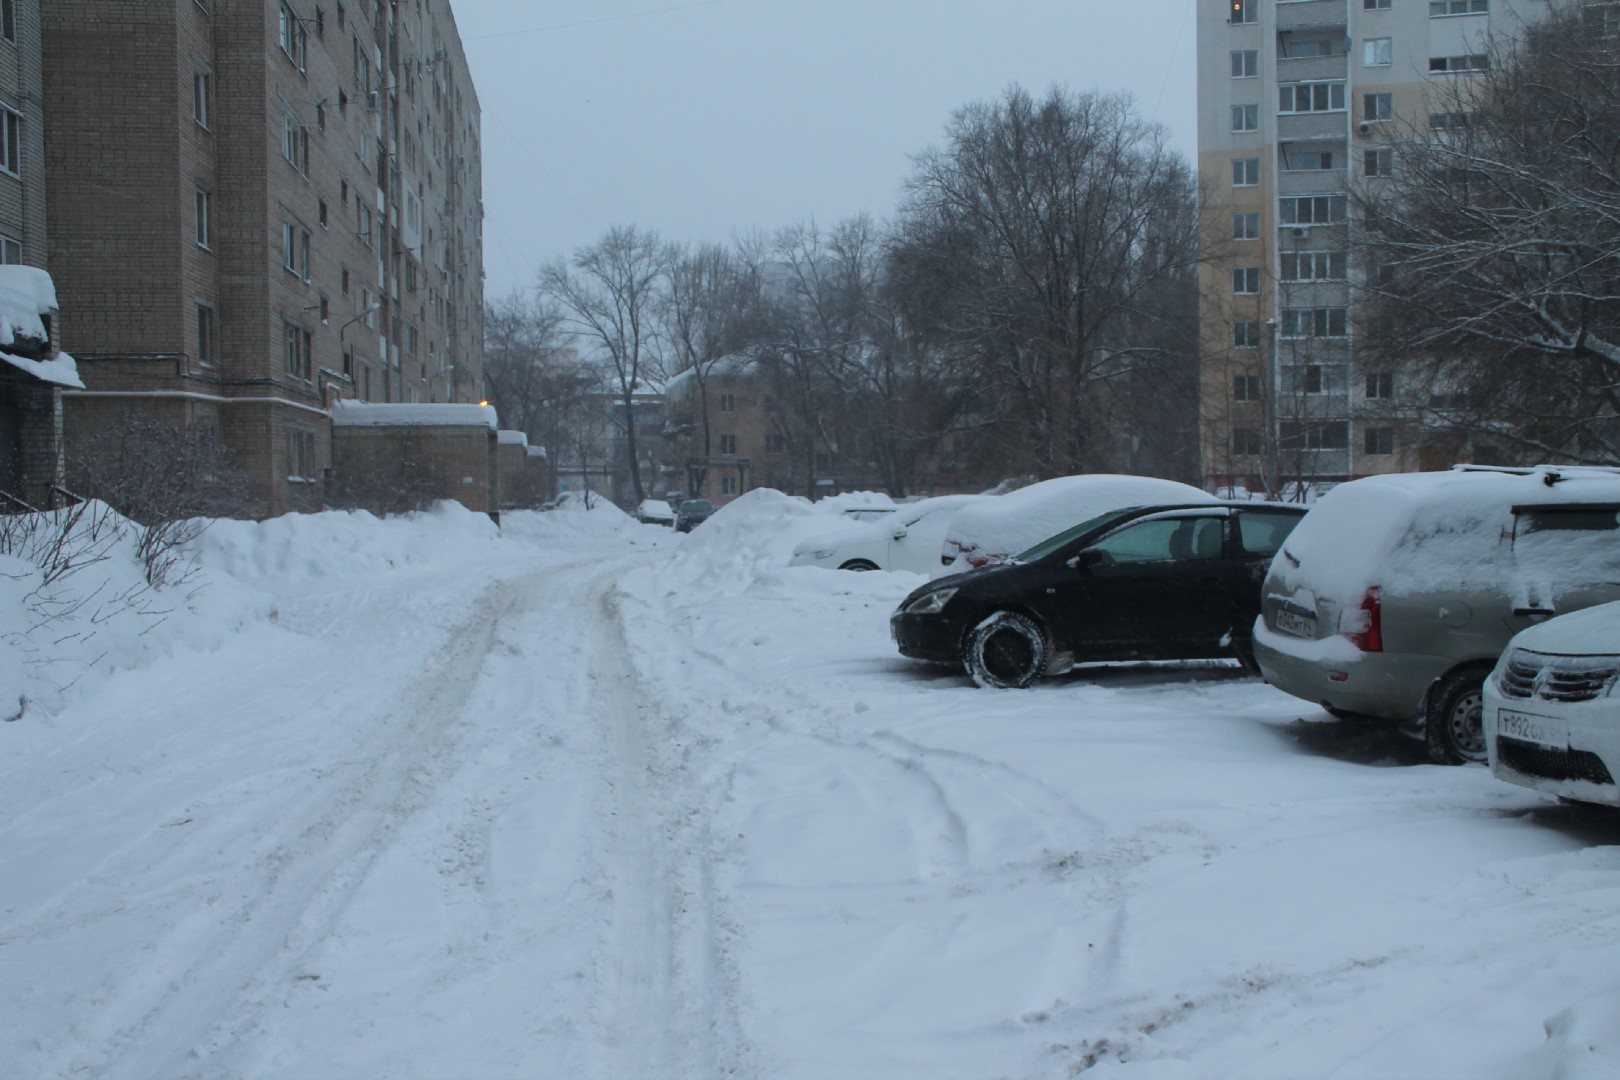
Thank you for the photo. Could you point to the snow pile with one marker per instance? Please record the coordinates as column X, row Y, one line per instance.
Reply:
column 570, row 521
column 1021, row 519
column 1583, row 1042
column 420, row 414
column 26, row 294
column 340, row 545
column 750, row 535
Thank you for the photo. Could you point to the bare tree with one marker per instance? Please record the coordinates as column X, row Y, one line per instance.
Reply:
column 533, row 378
column 609, row 292
column 1492, row 252
column 1061, row 238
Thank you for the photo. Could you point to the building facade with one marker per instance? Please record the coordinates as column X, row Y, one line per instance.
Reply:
column 1299, row 104
column 260, row 208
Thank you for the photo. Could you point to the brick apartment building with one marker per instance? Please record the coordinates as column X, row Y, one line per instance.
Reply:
column 258, row 208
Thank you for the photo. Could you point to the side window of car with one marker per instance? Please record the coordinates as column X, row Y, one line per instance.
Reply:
column 1262, row 532
column 1163, row 540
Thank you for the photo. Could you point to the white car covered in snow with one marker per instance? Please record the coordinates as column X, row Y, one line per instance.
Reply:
column 655, row 512
column 1551, row 708
column 1004, row 526
column 906, row 538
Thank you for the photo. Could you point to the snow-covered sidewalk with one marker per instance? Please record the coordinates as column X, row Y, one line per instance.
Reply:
column 584, row 798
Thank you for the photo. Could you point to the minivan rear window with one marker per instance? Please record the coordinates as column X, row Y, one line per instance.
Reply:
column 1262, row 532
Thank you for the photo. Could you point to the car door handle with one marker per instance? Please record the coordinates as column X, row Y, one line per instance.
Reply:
column 1523, row 611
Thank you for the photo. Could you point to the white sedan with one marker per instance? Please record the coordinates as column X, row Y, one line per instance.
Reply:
column 1551, row 709
column 907, row 539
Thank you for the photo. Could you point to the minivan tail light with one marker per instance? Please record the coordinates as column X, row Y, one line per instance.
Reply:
column 1364, row 625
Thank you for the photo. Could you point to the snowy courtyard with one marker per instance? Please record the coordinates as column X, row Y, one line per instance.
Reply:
column 584, row 798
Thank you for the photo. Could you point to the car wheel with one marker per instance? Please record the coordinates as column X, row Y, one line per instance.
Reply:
column 1006, row 651
column 858, row 564
column 1452, row 727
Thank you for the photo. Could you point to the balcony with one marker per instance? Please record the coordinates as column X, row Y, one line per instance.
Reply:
column 1312, row 181
column 1304, row 68
column 1293, row 127
column 1311, row 15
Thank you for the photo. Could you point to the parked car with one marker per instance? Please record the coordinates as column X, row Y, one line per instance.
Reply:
column 1551, row 713
column 1005, row 525
column 655, row 512
column 692, row 513
column 1174, row 582
column 1396, row 595
column 905, row 538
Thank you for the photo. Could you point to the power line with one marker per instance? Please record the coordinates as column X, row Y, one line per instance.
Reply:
column 595, row 22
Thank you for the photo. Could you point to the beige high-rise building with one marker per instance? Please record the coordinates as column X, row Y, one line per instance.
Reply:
column 1299, row 104
column 259, row 207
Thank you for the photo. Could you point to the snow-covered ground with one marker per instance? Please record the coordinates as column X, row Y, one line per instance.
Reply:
column 421, row 798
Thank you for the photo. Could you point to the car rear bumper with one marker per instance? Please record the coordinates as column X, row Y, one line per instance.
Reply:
column 1580, row 761
column 1387, row 685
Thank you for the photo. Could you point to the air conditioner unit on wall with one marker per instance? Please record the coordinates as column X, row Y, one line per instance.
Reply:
column 1365, row 128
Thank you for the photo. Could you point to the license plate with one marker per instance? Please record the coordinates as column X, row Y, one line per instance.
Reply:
column 1292, row 622
column 1541, row 730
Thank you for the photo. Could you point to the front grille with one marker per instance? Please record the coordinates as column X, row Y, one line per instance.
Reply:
column 1557, row 678
column 1533, row 760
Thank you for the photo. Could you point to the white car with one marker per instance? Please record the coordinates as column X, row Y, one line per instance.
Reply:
column 655, row 512
column 1552, row 707
column 908, row 538
column 1008, row 524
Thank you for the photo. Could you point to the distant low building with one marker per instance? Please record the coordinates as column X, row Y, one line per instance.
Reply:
column 33, row 374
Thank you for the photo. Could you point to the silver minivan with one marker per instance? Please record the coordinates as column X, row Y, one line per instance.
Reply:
column 1396, row 594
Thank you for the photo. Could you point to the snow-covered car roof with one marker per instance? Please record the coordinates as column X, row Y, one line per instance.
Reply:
column 1020, row 519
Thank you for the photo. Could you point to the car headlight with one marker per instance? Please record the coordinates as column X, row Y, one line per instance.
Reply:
column 930, row 603
column 827, row 554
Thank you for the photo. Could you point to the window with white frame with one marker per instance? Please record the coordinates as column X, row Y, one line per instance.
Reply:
column 1380, row 384
column 728, row 445
column 1246, row 226
column 10, row 141
column 1245, row 171
column 294, row 142
column 1313, row 209
column 1379, row 161
column 201, row 85
column 1307, row 160
column 1377, row 52
column 1245, row 388
column 1450, row 121
column 10, row 251
column 728, row 403
column 1310, row 97
column 1245, row 118
column 205, row 334
column 1453, row 65
column 204, row 219
column 300, row 454
column 1439, row 8
column 1294, row 47
column 1378, row 442
column 292, row 37
column 1245, row 280
column 296, row 350
column 1375, row 5
column 1313, row 322
column 1328, row 435
column 1313, row 265
column 295, row 249
column 1246, row 334
column 1245, row 63
column 8, row 20
column 1377, row 107
column 1244, row 11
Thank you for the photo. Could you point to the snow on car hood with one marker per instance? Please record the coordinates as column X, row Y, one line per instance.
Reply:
column 1593, row 631
column 1021, row 519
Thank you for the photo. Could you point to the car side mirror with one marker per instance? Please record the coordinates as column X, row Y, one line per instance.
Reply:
column 899, row 532
column 1087, row 558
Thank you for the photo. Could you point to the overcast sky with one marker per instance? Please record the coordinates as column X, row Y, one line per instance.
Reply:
column 703, row 118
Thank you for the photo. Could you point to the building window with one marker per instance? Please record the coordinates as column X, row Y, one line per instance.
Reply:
column 1379, row 441
column 1313, row 265
column 1245, row 171
column 1245, row 280
column 775, row 443
column 1307, row 160
column 296, row 350
column 1246, row 334
column 1332, row 435
column 1455, row 64
column 294, row 142
column 1245, row 388
column 728, row 403
column 1245, row 11
column 205, row 215
column 1437, row 8
column 1310, row 381
column 728, row 445
column 295, row 249
column 1375, row 5
column 1376, row 52
column 1246, row 226
column 1380, row 384
column 1245, row 63
column 205, row 335
column 292, row 37
column 1377, row 107
column 8, row 20
column 1378, row 162
column 320, row 22
column 1246, row 442
column 1311, row 97
column 300, row 454
column 1313, row 209
column 1245, row 118
column 10, row 251
column 728, row 485
column 1313, row 322
column 200, row 87
column 1450, row 121
column 10, row 141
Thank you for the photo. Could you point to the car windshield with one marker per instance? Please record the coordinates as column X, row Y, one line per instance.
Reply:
column 696, row 504
column 1053, row 543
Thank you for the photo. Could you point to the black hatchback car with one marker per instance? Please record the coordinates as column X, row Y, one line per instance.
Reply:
column 1148, row 583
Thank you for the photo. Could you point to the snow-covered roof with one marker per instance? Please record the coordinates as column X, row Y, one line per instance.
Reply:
column 26, row 293
column 734, row 364
column 63, row 370
column 536, row 451
column 371, row 414
column 507, row 437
